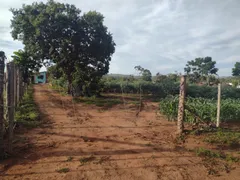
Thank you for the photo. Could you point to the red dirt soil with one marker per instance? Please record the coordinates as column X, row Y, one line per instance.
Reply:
column 91, row 143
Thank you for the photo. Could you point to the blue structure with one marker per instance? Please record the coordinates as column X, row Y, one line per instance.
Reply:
column 40, row 78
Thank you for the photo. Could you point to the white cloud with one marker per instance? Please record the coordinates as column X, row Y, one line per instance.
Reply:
column 230, row 59
column 161, row 35
column 225, row 71
column 165, row 67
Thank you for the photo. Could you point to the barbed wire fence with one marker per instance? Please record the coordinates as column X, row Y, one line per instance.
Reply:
column 12, row 89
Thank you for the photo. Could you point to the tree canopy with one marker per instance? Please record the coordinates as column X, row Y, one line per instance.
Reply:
column 236, row 69
column 78, row 44
column 2, row 56
column 201, row 67
column 26, row 63
column 145, row 73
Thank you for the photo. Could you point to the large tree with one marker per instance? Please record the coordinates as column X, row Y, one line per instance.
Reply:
column 236, row 69
column 145, row 73
column 98, row 48
column 201, row 67
column 76, row 43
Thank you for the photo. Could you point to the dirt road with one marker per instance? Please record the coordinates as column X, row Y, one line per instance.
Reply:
column 80, row 141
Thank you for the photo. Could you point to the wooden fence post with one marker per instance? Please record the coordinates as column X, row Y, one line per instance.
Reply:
column 181, row 105
column 218, row 105
column 10, row 102
column 2, row 59
column 15, row 85
column 18, row 85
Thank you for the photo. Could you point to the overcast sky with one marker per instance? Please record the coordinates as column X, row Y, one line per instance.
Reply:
column 160, row 35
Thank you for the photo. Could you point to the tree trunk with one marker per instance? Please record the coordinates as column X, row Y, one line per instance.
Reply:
column 218, row 105
column 69, row 85
column 69, row 91
column 1, row 107
column 208, row 83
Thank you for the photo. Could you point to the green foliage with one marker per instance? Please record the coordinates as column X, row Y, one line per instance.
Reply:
column 2, row 56
column 70, row 158
column 207, row 153
column 224, row 138
column 26, row 64
column 145, row 73
column 54, row 72
column 98, row 101
column 27, row 112
column 235, row 83
column 166, row 87
column 156, row 89
column 160, row 78
column 80, row 45
column 209, row 92
column 201, row 91
column 236, row 69
column 180, row 139
column 206, row 109
column 84, row 160
column 200, row 67
column 169, row 107
column 202, row 152
column 63, row 170
column 59, row 85
column 213, row 79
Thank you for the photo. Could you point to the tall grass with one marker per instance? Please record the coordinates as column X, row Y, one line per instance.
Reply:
column 27, row 113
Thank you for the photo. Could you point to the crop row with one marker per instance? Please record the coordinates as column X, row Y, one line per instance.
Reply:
column 205, row 109
column 160, row 89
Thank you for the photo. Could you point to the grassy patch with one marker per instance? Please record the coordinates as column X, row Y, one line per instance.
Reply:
column 206, row 153
column 137, row 103
column 202, row 152
column 231, row 139
column 84, row 160
column 63, row 170
column 148, row 144
column 27, row 113
column 100, row 102
column 103, row 159
column 202, row 130
column 59, row 85
column 180, row 139
column 52, row 144
column 70, row 158
column 216, row 162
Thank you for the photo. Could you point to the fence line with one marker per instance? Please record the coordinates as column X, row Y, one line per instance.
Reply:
column 12, row 89
column 1, row 107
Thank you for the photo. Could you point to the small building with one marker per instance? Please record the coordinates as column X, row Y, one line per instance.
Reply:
column 40, row 77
